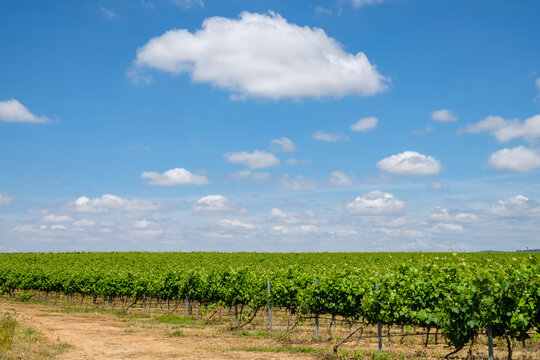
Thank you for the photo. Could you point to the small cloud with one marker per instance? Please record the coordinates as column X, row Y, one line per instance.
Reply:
column 443, row 115
column 57, row 218
column 518, row 206
column 322, row 136
column 5, row 199
column 108, row 202
column 375, row 203
column 410, row 163
column 339, row 178
column 435, row 185
column 537, row 83
column 254, row 160
column 13, row 111
column 188, row 4
column 519, row 159
column 507, row 129
column 84, row 223
column 282, row 145
column 214, row 204
column 174, row 177
column 235, row 224
column 295, row 230
column 365, row 124
column 145, row 224
column 322, row 10
column 298, row 183
column 360, row 3
column 250, row 175
column 108, row 13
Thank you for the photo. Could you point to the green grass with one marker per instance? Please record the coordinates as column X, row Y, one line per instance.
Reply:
column 176, row 320
column 284, row 348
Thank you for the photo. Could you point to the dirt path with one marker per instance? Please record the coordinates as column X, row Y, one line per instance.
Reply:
column 104, row 336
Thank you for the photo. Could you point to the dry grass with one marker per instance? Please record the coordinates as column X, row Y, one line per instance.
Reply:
column 21, row 342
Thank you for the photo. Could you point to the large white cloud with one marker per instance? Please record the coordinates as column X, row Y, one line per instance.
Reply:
column 443, row 115
column 13, row 111
column 214, row 204
column 518, row 159
column 177, row 176
column 507, row 129
column 262, row 55
column 375, row 203
column 410, row 163
column 108, row 202
column 365, row 124
column 282, row 144
column 253, row 160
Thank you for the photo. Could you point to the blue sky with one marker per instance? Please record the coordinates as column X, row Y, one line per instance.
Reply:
column 345, row 125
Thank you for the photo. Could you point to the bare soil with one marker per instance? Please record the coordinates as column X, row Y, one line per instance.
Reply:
column 105, row 336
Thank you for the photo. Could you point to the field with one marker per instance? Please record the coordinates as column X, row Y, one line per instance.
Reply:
column 418, row 305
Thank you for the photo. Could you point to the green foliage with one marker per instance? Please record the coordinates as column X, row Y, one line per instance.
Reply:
column 460, row 294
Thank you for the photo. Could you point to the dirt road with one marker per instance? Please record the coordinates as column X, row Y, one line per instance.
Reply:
column 105, row 336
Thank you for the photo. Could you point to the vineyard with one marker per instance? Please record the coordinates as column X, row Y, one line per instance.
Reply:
column 457, row 296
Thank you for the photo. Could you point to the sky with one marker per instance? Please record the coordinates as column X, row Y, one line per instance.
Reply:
column 202, row 125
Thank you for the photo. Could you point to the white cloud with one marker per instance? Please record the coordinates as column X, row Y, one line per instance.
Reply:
column 187, row 4
column 13, row 111
column 365, row 124
column 235, row 224
column 298, row 183
column 375, row 203
column 282, row 145
column 57, row 218
column 177, row 176
column 107, row 12
column 84, row 223
column 360, row 3
column 144, row 224
column 504, row 130
column 446, row 228
column 291, row 161
column 58, row 227
column 108, row 202
column 262, row 55
column 518, row 206
column 518, row 159
column 442, row 215
column 213, row 204
column 254, row 160
column 5, row 199
column 434, row 185
column 443, row 115
column 410, row 163
column 339, row 178
column 322, row 136
column 293, row 217
column 295, row 230
column 251, row 175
